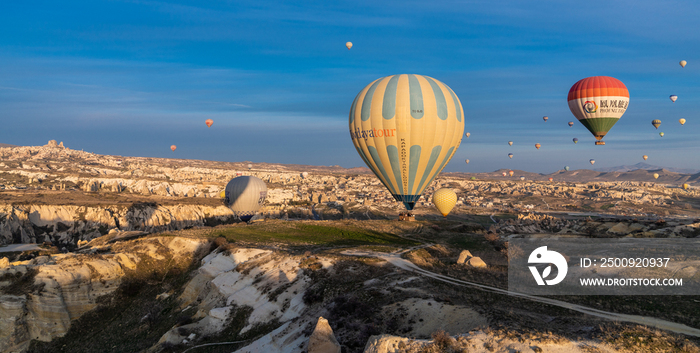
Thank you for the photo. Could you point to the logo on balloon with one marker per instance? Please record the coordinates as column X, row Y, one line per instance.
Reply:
column 590, row 107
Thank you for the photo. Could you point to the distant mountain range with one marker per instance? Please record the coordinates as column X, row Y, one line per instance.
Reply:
column 6, row 145
column 645, row 166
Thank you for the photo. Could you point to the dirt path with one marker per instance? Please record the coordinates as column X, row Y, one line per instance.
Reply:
column 396, row 260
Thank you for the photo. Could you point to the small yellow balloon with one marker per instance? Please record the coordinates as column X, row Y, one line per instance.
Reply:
column 222, row 194
column 685, row 186
column 348, row 45
column 682, row 121
column 656, row 175
column 645, row 157
column 445, row 200
column 683, row 63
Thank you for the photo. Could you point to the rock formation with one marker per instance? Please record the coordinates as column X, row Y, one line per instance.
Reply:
column 322, row 339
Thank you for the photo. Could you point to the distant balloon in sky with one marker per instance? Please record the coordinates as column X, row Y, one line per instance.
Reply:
column 682, row 121
column 305, row 175
column 545, row 118
column 685, row 186
column 683, row 63
column 467, row 161
column 645, row 157
column 673, row 97
column 551, row 179
column 406, row 128
column 510, row 172
column 566, row 168
column 245, row 195
column 537, row 145
column 209, row 122
column 510, row 155
column 250, row 166
column 656, row 123
column 522, row 178
column 575, row 140
column 504, row 173
column 571, row 123
column 348, row 45
column 598, row 102
column 467, row 135
column 656, row 175
column 592, row 161
column 173, row 148
column 444, row 199
column 661, row 134
column 239, row 173
column 510, row 143
column 473, row 178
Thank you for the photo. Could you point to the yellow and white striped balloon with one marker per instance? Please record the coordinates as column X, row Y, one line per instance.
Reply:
column 406, row 128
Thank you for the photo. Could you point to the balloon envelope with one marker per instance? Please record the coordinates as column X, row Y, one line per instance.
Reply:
column 598, row 102
column 250, row 166
column 522, row 178
column 504, row 173
column 645, row 157
column 550, row 179
column 682, row 121
column 545, row 118
column 406, row 128
column 245, row 195
column 592, row 161
column 661, row 134
column 537, row 145
column 683, row 63
column 511, row 173
column 467, row 135
column 566, row 168
column 173, row 148
column 575, row 140
column 656, row 176
column 348, row 45
column 467, row 161
column 685, row 186
column 305, row 175
column 209, row 122
column 673, row 97
column 656, row 123
column 571, row 123
column 510, row 143
column 445, row 200
column 510, row 155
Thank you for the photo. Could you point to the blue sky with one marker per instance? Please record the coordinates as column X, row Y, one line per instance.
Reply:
column 133, row 77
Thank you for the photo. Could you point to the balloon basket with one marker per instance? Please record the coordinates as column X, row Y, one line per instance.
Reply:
column 408, row 217
column 599, row 143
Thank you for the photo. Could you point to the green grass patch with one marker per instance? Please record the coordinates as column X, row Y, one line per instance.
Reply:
column 302, row 233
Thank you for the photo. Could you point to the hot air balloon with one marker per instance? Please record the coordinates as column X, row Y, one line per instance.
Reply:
column 661, row 134
column 250, row 166
column 348, row 45
column 467, row 161
column 682, row 121
column 522, row 178
column 239, row 173
column 545, row 118
column 683, row 62
column 245, row 195
column 571, row 123
column 209, row 122
column 510, row 143
column 173, row 148
column 598, row 102
column 592, row 161
column 222, row 194
column 673, row 98
column 656, row 123
column 656, row 176
column 305, row 175
column 575, row 140
column 406, row 128
column 551, row 179
column 510, row 155
column 504, row 173
column 444, row 199
column 537, row 145
column 645, row 157
column 685, row 186
column 566, row 168
column 510, row 172
column 467, row 134
column 473, row 178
